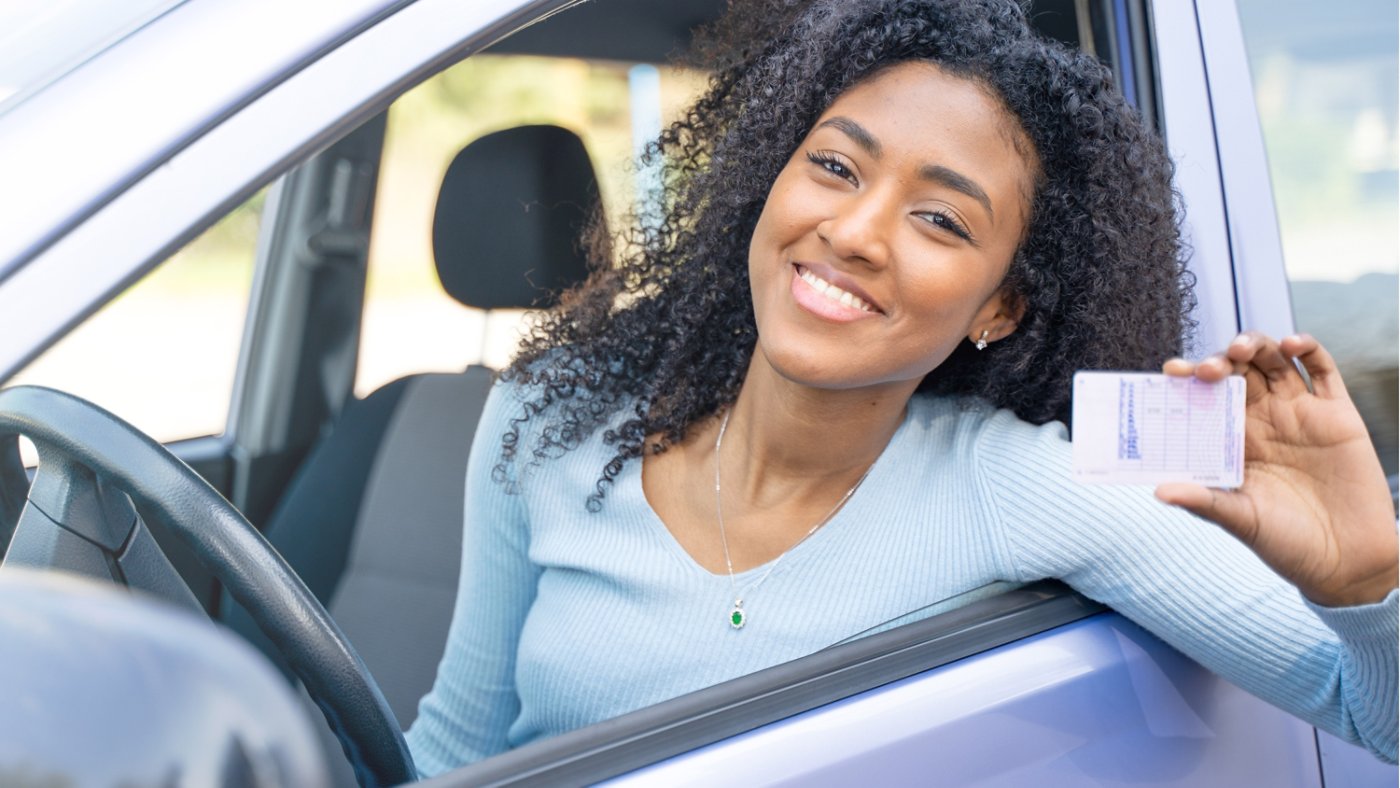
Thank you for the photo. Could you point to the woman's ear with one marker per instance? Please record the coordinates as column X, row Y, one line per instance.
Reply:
column 998, row 317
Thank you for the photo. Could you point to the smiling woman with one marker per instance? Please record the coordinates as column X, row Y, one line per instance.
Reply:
column 878, row 188
column 822, row 392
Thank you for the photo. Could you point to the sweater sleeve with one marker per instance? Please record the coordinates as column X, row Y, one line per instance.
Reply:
column 1194, row 586
column 466, row 715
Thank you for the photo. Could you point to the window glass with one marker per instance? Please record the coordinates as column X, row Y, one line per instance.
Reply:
column 1325, row 80
column 162, row 354
column 410, row 323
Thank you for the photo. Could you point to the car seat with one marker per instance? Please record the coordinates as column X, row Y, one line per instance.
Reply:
column 372, row 520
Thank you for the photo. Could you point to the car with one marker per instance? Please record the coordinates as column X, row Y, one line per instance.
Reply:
column 131, row 134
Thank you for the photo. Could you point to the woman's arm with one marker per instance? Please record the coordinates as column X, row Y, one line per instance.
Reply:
column 473, row 700
column 1193, row 585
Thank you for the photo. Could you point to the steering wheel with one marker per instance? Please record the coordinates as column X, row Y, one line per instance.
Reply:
column 77, row 516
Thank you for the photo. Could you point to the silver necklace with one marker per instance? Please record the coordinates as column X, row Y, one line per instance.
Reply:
column 737, row 617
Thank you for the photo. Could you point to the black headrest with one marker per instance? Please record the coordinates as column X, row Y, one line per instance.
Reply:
column 512, row 206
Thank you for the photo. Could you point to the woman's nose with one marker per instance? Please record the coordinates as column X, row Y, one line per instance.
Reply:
column 859, row 229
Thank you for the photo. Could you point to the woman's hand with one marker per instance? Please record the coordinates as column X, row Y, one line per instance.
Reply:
column 1315, row 505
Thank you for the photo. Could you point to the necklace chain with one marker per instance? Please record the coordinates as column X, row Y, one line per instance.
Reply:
column 737, row 616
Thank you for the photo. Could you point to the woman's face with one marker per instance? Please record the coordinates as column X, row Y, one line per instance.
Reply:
column 885, row 238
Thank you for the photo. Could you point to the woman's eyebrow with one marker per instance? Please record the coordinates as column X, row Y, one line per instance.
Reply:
column 957, row 182
column 856, row 132
column 929, row 172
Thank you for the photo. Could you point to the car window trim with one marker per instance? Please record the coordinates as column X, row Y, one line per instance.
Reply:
column 158, row 157
column 1142, row 35
column 658, row 732
column 1121, row 35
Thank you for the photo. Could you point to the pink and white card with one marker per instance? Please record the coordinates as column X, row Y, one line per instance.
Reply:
column 1145, row 428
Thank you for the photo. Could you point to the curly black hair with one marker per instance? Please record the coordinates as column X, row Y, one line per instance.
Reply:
column 667, row 329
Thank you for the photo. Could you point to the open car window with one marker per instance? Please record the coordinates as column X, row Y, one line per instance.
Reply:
column 600, row 99
column 615, row 105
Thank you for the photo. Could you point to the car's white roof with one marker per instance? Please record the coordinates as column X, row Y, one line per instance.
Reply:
column 68, row 147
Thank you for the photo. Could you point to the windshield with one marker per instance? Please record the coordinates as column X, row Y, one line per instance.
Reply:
column 41, row 40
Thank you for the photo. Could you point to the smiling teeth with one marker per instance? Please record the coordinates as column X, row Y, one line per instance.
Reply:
column 835, row 293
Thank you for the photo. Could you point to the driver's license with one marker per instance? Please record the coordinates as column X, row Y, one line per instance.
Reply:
column 1146, row 428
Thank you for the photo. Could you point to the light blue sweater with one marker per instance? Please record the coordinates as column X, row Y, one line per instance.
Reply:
column 566, row 618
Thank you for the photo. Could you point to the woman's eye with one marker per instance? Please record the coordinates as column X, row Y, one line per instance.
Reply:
column 832, row 165
column 947, row 222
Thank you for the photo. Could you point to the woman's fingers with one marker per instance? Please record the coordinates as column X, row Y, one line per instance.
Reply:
column 1178, row 368
column 1218, row 367
column 1274, row 361
column 1263, row 353
column 1209, row 369
column 1322, row 369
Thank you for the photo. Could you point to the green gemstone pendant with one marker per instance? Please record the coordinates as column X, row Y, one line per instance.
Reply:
column 737, row 619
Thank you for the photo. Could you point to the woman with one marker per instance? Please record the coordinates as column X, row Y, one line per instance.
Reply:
column 822, row 393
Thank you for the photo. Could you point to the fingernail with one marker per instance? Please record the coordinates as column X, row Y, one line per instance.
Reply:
column 1241, row 340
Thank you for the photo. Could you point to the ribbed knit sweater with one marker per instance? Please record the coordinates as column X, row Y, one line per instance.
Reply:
column 565, row 618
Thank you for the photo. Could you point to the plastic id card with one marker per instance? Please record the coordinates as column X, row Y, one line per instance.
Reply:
column 1145, row 428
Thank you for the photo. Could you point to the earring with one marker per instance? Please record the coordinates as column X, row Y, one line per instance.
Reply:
column 982, row 340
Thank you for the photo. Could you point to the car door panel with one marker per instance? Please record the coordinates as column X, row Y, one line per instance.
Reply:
column 1096, row 702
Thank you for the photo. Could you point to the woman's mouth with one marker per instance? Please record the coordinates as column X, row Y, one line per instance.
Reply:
column 827, row 300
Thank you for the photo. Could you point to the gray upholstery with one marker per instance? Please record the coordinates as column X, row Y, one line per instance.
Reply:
column 395, row 598
column 508, row 195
